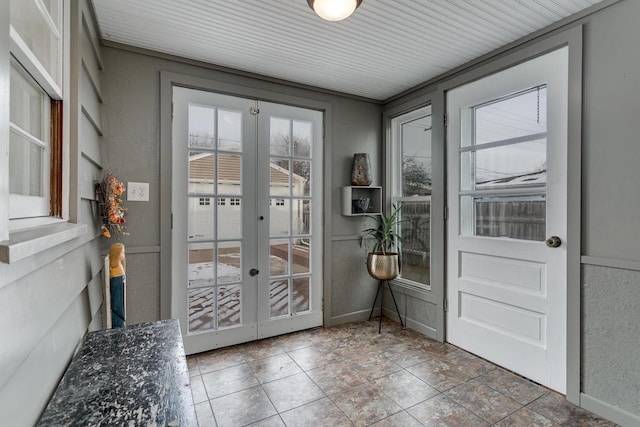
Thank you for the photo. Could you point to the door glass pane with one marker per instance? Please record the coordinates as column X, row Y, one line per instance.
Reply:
column 301, row 220
column 201, row 172
column 279, row 211
column 201, row 126
column 230, row 220
column 229, row 306
column 416, row 157
column 520, row 164
column 229, row 174
column 302, row 137
column 415, row 231
column 301, row 255
column 201, row 258
column 280, row 138
column 279, row 257
column 201, row 309
column 229, row 130
column 229, row 262
column 279, row 297
column 301, row 178
column 25, row 167
column 519, row 115
column 516, row 217
column 200, row 214
column 300, row 297
column 279, row 177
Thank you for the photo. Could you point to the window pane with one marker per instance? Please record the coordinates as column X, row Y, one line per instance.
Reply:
column 201, row 271
column 279, row 177
column 229, row 307
column 279, row 297
column 279, row 257
column 39, row 37
column 280, row 137
column 230, row 220
column 229, row 130
column 301, row 178
column 201, row 126
column 26, row 166
column 229, row 262
column 201, row 172
column 520, row 115
column 300, row 297
column 415, row 231
column 200, row 219
column 416, row 157
column 301, row 216
column 301, row 255
column 512, row 165
column 201, row 309
column 520, row 217
column 229, row 174
column 302, row 139
column 279, row 210
column 27, row 102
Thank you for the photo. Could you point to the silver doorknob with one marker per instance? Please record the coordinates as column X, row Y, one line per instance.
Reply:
column 254, row 272
column 554, row 242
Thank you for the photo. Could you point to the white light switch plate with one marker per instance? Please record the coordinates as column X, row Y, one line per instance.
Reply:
column 138, row 191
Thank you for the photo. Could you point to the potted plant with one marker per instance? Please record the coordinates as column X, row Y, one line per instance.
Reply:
column 382, row 261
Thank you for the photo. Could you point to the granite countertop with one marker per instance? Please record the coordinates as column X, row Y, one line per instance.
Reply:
column 127, row 376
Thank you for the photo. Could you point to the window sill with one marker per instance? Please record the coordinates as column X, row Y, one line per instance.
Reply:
column 420, row 292
column 31, row 241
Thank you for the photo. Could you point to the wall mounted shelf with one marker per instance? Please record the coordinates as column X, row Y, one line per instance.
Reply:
column 353, row 194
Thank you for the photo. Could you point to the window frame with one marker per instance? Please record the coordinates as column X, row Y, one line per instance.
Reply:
column 48, row 208
column 394, row 182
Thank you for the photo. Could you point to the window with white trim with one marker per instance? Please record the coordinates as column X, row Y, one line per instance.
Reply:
column 35, row 108
column 410, row 168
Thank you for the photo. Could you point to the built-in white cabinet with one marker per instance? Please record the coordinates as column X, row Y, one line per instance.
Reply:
column 354, row 200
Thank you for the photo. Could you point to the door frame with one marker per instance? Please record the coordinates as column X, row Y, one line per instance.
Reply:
column 573, row 39
column 170, row 79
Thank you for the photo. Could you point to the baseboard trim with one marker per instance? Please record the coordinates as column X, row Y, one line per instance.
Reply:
column 410, row 323
column 356, row 316
column 610, row 412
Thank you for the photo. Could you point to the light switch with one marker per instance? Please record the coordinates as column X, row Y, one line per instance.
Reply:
column 138, row 191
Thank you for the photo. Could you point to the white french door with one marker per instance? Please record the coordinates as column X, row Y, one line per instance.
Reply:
column 246, row 205
column 507, row 194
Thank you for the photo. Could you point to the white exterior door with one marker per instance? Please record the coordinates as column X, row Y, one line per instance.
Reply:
column 507, row 194
column 245, row 240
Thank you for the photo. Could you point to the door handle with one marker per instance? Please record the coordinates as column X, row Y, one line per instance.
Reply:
column 554, row 242
column 254, row 272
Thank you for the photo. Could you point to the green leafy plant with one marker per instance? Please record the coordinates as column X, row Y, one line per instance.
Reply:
column 385, row 234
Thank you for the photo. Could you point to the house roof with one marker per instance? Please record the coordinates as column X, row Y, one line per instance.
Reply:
column 201, row 167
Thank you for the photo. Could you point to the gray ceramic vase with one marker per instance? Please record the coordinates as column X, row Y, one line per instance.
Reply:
column 361, row 170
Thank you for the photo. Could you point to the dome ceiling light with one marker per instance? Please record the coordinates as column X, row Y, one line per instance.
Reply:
column 334, row 10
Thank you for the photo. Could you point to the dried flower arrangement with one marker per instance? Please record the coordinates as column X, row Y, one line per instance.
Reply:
column 111, row 208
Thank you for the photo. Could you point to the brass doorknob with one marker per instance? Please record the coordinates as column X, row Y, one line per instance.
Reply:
column 554, row 242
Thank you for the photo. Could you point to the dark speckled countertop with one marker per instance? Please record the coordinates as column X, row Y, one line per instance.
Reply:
column 133, row 376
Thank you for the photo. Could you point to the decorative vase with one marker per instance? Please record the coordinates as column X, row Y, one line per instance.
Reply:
column 383, row 266
column 361, row 170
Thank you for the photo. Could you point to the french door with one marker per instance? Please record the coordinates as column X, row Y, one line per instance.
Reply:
column 507, row 197
column 246, row 206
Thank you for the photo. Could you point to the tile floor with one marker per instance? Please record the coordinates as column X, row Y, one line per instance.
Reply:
column 349, row 375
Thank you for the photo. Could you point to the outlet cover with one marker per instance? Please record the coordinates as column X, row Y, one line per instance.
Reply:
column 138, row 191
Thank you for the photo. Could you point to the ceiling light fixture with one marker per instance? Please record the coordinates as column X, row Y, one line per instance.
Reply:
column 334, row 10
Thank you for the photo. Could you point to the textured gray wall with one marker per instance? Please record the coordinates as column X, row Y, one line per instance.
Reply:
column 132, row 114
column 611, row 325
column 50, row 300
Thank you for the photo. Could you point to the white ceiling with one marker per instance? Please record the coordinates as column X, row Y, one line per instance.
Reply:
column 384, row 48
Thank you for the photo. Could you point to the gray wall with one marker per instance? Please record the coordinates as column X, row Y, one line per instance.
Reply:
column 132, row 115
column 50, row 300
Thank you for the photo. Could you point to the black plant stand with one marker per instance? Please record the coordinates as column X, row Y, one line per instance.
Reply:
column 381, row 292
